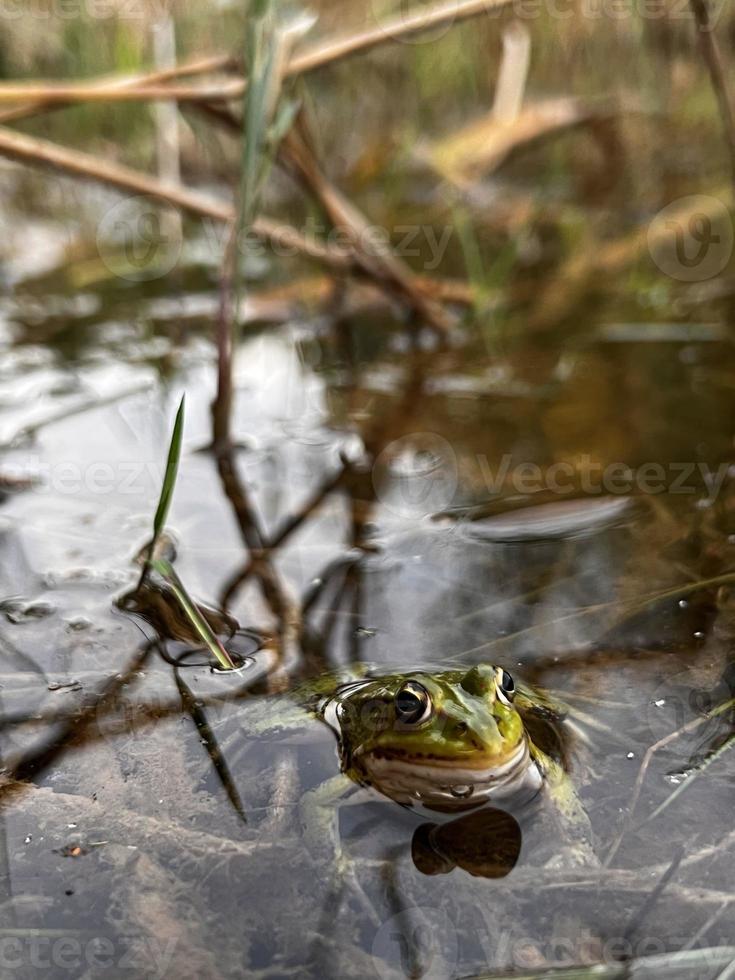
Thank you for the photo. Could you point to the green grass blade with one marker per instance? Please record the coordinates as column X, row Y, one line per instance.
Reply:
column 194, row 615
column 169, row 478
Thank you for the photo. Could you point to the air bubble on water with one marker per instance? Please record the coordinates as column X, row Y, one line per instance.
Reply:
column 660, row 702
column 462, row 792
column 28, row 839
column 699, row 635
column 630, row 755
column 683, row 603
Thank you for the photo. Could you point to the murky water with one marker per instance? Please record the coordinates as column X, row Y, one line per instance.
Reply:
column 554, row 493
column 589, row 589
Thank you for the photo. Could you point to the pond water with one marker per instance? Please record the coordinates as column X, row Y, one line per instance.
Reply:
column 552, row 491
column 127, row 843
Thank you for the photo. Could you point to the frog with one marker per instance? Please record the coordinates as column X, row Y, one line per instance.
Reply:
column 438, row 741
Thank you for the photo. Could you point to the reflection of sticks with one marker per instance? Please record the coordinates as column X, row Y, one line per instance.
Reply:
column 146, row 87
column 640, row 914
column 626, row 608
column 275, row 592
column 222, row 405
column 279, row 538
column 29, row 431
column 193, row 708
column 36, row 761
column 712, row 55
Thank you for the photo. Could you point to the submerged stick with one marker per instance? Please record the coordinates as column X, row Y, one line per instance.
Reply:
column 650, row 752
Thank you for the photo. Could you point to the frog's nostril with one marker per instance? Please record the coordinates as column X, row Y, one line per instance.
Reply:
column 460, row 729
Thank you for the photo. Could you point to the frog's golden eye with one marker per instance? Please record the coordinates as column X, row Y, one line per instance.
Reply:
column 413, row 704
column 506, row 685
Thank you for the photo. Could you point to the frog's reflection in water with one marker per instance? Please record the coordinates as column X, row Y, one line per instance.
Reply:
column 485, row 843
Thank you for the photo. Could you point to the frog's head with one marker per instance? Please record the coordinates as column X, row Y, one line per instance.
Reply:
column 448, row 739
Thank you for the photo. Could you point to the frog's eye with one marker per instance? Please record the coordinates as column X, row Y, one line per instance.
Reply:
column 506, row 685
column 413, row 704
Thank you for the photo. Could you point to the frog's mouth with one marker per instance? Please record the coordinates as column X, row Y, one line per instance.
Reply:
column 437, row 781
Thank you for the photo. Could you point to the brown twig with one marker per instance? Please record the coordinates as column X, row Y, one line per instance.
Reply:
column 284, row 608
column 712, row 55
column 31, row 149
column 37, row 760
column 142, row 88
column 280, row 537
column 380, row 265
column 200, row 66
column 377, row 262
column 222, row 405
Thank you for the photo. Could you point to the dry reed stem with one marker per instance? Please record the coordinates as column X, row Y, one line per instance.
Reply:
column 31, row 149
column 142, row 88
column 200, row 66
column 378, row 263
column 712, row 56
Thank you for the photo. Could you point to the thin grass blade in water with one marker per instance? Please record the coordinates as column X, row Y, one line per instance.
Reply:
column 190, row 608
column 169, row 478
column 690, row 775
column 197, row 715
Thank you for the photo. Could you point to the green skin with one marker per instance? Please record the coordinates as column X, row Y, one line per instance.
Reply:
column 465, row 744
